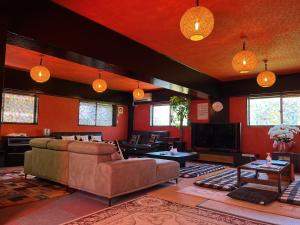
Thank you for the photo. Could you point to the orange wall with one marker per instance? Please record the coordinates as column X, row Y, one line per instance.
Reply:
column 61, row 115
column 142, row 121
column 254, row 139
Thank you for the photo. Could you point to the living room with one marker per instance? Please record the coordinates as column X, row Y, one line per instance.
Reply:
column 149, row 112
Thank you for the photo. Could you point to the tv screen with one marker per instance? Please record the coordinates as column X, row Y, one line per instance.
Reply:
column 216, row 137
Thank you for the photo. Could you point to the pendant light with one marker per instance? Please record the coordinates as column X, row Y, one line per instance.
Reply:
column 244, row 61
column 197, row 23
column 266, row 78
column 40, row 73
column 138, row 93
column 99, row 85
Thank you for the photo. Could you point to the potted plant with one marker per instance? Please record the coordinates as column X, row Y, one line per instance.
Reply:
column 283, row 136
column 180, row 107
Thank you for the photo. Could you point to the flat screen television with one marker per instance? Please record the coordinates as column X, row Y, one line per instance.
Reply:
column 216, row 137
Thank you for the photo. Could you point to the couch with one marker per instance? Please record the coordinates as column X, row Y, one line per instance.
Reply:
column 143, row 144
column 95, row 167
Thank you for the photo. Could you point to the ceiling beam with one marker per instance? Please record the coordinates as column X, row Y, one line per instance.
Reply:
column 87, row 42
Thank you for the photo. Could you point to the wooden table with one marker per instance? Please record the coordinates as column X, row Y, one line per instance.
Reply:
column 180, row 157
column 259, row 166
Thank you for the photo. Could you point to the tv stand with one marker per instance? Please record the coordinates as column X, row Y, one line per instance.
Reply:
column 232, row 158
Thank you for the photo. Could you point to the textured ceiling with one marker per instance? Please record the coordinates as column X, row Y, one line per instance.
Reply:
column 24, row 59
column 272, row 27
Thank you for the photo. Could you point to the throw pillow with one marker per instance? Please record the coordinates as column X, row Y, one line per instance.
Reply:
column 134, row 139
column 82, row 137
column 68, row 138
column 153, row 138
column 96, row 138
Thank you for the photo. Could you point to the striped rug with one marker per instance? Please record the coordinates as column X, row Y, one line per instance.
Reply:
column 198, row 170
column 226, row 181
column 292, row 194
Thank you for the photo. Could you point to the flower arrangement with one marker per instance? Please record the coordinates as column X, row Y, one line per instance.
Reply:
column 283, row 133
column 283, row 136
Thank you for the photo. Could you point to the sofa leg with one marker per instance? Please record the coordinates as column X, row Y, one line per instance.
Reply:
column 176, row 180
column 109, row 201
column 25, row 176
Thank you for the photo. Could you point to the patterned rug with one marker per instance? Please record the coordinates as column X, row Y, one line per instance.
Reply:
column 226, row 181
column 14, row 189
column 198, row 170
column 154, row 211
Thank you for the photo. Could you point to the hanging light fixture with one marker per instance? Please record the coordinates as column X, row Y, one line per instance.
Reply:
column 244, row 61
column 266, row 78
column 40, row 73
column 99, row 85
column 138, row 93
column 197, row 23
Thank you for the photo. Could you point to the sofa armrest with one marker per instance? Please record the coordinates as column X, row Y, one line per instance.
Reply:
column 123, row 176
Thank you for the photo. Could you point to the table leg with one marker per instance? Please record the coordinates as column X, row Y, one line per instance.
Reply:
column 182, row 163
column 279, row 183
column 238, row 177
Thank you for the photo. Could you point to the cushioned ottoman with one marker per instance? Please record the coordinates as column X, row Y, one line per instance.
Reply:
column 292, row 194
column 166, row 169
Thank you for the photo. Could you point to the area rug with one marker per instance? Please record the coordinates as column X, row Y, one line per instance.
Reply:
column 292, row 193
column 226, row 181
column 198, row 170
column 154, row 211
column 14, row 189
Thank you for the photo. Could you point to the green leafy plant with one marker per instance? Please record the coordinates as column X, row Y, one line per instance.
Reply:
column 180, row 106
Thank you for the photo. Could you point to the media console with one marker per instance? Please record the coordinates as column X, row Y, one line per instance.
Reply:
column 233, row 159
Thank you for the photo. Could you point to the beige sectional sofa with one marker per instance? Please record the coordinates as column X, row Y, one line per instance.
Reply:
column 95, row 167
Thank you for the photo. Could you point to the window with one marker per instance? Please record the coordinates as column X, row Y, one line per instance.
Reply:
column 18, row 108
column 96, row 114
column 161, row 115
column 269, row 111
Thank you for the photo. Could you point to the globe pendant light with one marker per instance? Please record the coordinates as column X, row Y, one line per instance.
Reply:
column 138, row 93
column 244, row 61
column 266, row 78
column 40, row 73
column 99, row 85
column 197, row 23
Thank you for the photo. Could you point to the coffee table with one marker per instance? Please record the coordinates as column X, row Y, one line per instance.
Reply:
column 180, row 157
column 278, row 168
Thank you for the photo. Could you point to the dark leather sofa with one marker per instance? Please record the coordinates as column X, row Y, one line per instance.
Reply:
column 143, row 144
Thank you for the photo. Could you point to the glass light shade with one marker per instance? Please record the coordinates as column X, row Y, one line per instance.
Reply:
column 244, row 61
column 138, row 94
column 99, row 85
column 197, row 23
column 217, row 106
column 40, row 74
column 266, row 79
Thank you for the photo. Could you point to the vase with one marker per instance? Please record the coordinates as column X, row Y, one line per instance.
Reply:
column 281, row 146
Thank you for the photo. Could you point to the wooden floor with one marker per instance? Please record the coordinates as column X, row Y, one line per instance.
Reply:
column 185, row 192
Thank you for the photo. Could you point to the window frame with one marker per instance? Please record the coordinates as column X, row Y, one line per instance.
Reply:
column 280, row 96
column 35, row 110
column 170, row 116
column 114, row 113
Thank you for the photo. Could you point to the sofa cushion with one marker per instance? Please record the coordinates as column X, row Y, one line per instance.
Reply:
column 59, row 145
column 92, row 148
column 153, row 138
column 69, row 138
column 96, row 138
column 39, row 142
column 82, row 137
column 134, row 139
